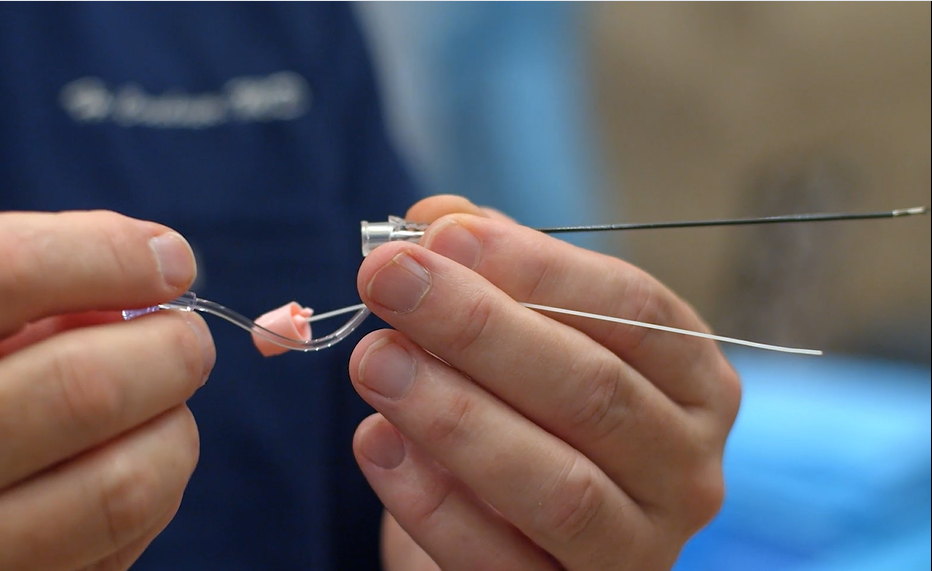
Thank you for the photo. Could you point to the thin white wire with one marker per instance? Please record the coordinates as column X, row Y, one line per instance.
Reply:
column 631, row 322
column 335, row 312
column 675, row 330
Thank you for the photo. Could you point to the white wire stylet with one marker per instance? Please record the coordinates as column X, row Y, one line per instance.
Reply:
column 677, row 330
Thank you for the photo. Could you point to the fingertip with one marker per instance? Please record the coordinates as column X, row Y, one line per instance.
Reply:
column 371, row 264
column 453, row 239
column 496, row 214
column 365, row 428
column 174, row 259
column 378, row 444
column 362, row 349
column 400, row 285
column 205, row 341
column 377, row 260
column 190, row 435
column 432, row 208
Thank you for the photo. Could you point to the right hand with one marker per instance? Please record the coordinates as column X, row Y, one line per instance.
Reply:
column 96, row 443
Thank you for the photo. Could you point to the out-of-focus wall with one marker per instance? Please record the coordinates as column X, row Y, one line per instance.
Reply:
column 491, row 101
column 717, row 110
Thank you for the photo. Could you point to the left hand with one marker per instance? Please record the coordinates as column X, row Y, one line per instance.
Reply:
column 512, row 439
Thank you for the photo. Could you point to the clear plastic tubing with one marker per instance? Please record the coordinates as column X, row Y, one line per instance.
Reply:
column 190, row 302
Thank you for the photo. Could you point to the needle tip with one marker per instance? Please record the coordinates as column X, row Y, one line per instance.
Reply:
column 911, row 211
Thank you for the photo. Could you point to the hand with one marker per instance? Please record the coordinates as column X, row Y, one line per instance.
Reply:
column 96, row 443
column 511, row 439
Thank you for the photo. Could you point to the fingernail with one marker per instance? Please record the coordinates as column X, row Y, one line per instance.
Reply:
column 400, row 285
column 204, row 339
column 388, row 369
column 383, row 447
column 454, row 241
column 175, row 259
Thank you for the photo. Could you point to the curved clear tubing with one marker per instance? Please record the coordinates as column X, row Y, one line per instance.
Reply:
column 190, row 302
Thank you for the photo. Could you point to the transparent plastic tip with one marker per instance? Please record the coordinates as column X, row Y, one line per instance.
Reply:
column 185, row 302
column 374, row 234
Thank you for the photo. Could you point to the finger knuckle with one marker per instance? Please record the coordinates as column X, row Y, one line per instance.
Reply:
column 451, row 424
column 476, row 317
column 429, row 506
column 185, row 345
column 119, row 561
column 643, row 303
column 193, row 440
column 117, row 231
column 129, row 498
column 18, row 263
column 134, row 494
column 702, row 496
column 600, row 407
column 571, row 505
column 188, row 446
column 730, row 388
column 543, row 271
column 87, row 393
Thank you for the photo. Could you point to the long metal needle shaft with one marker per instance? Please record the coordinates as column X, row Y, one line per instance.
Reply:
column 738, row 221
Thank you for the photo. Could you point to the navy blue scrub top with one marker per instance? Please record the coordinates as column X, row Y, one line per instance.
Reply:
column 255, row 131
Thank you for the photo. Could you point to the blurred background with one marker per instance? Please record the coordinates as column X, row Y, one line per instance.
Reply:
column 594, row 113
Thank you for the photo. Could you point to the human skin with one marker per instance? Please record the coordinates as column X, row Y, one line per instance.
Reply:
column 507, row 439
column 96, row 443
column 524, row 442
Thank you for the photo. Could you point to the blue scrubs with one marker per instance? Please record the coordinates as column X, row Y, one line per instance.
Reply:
column 254, row 130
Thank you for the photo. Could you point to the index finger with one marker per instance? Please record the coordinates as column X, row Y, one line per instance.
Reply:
column 42, row 329
column 535, row 268
column 53, row 263
column 532, row 267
